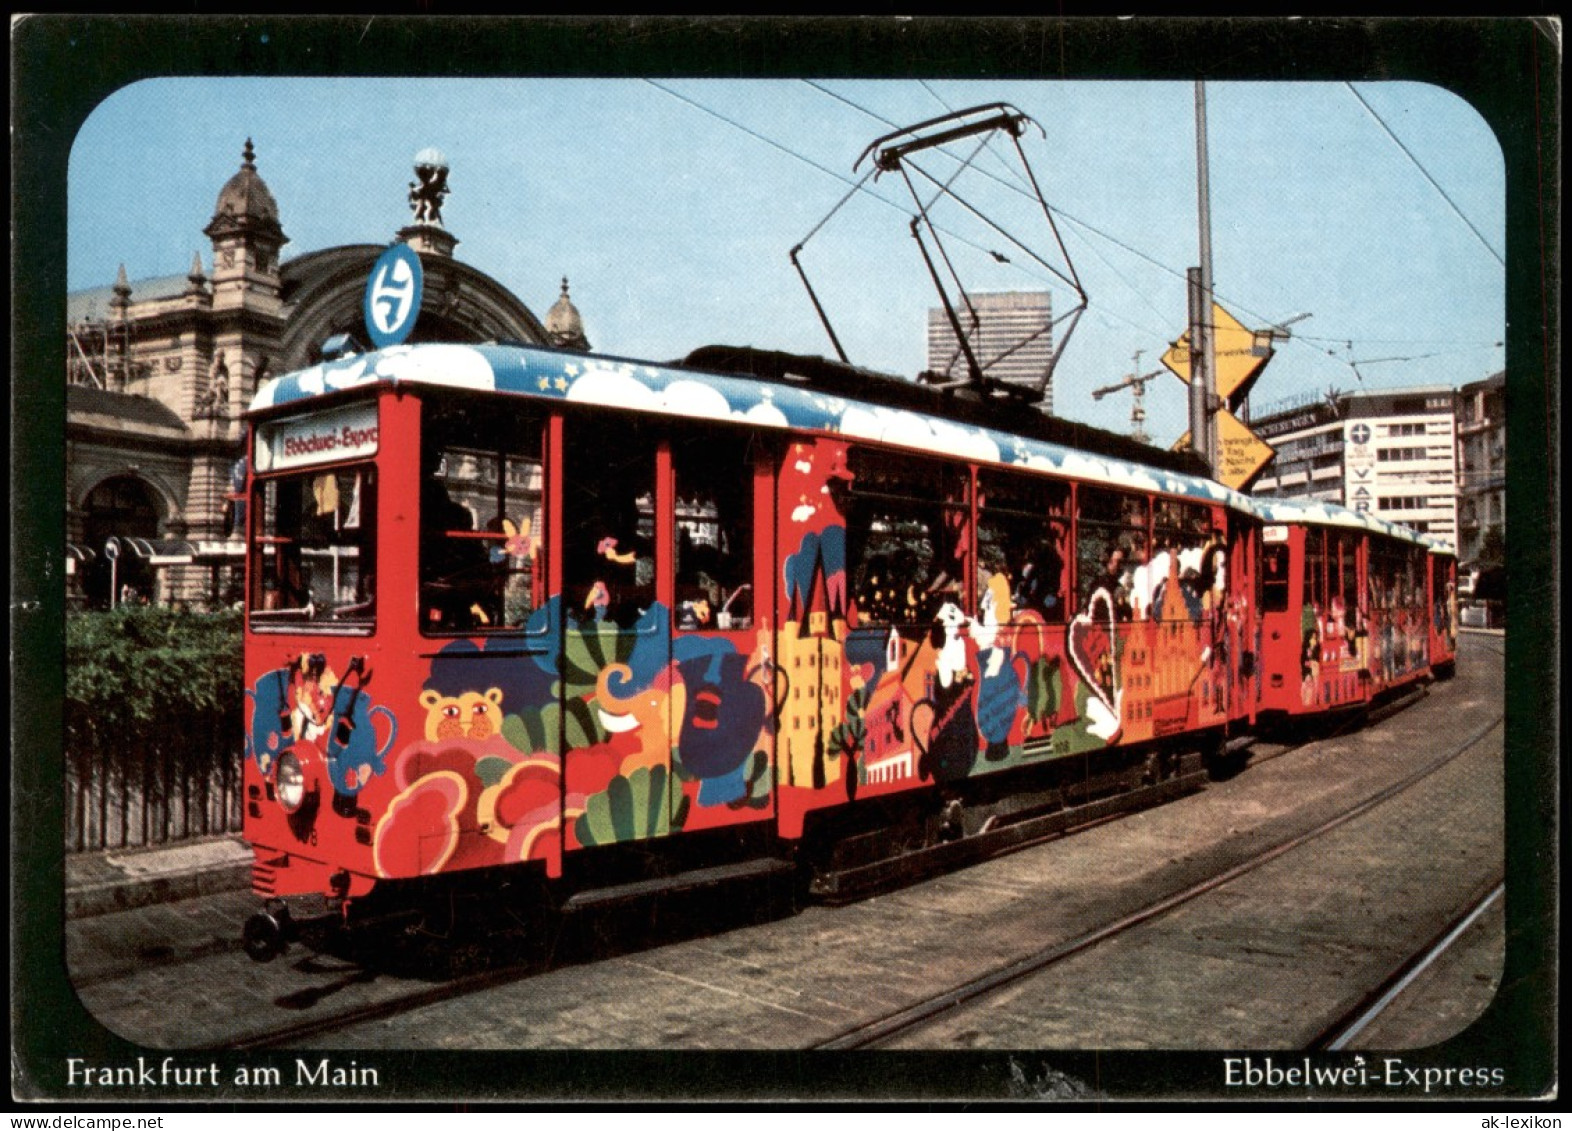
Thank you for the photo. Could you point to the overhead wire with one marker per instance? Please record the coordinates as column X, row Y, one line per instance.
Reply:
column 1425, row 173
column 855, row 186
column 1101, row 307
column 1093, row 230
column 1219, row 295
column 1083, row 225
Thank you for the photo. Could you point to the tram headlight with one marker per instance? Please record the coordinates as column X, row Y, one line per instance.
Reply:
column 289, row 782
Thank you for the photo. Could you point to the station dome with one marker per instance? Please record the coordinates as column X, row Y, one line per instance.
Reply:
column 564, row 325
column 245, row 202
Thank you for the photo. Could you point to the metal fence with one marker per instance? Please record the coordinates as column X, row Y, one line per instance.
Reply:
column 149, row 798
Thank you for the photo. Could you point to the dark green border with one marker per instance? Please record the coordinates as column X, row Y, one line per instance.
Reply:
column 1508, row 69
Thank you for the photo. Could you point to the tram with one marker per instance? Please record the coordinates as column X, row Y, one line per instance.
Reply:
column 1441, row 589
column 524, row 614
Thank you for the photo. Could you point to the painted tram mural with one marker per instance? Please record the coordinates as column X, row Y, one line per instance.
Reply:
column 514, row 606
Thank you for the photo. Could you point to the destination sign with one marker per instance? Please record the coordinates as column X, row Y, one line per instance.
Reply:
column 325, row 437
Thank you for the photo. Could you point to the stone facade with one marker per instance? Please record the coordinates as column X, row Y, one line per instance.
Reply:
column 1481, row 459
column 160, row 371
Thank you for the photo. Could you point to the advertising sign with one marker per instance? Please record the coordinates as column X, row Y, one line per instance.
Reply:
column 325, row 437
column 1359, row 459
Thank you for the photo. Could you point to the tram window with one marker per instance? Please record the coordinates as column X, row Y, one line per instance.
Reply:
column 1274, row 578
column 905, row 530
column 1185, row 531
column 481, row 519
column 1347, row 547
column 1022, row 535
column 1182, row 522
column 315, row 552
column 1382, row 578
column 713, row 548
column 1110, row 546
column 1315, row 568
column 609, row 519
column 1441, row 587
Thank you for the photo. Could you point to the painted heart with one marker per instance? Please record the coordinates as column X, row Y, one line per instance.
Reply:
column 1090, row 645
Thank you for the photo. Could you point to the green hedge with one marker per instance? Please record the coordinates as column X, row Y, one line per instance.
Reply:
column 153, row 703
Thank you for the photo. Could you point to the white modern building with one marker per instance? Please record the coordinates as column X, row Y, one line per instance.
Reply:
column 1391, row 453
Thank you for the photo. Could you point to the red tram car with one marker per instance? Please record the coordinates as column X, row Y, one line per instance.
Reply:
column 524, row 613
column 1346, row 610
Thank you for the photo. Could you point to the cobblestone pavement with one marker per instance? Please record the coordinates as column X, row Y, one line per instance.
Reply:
column 1266, row 961
column 668, row 979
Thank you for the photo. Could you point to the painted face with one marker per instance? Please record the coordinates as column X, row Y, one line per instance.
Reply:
column 724, row 715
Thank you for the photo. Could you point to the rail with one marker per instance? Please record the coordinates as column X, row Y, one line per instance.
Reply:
column 921, row 1013
column 1345, row 1030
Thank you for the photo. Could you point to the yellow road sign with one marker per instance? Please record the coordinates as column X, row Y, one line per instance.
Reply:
column 1241, row 454
column 1241, row 355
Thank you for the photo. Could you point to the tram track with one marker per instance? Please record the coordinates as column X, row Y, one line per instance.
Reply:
column 390, row 1001
column 914, row 1017
column 1343, row 1031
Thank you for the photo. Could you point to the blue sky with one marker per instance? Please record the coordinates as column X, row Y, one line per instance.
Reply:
column 672, row 206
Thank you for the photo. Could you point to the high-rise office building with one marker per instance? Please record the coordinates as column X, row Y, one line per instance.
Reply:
column 1013, row 340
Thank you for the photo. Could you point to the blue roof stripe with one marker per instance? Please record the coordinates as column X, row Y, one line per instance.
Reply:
column 645, row 387
column 1332, row 514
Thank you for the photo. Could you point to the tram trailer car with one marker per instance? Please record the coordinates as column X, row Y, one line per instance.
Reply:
column 1441, row 588
column 1353, row 610
column 516, row 613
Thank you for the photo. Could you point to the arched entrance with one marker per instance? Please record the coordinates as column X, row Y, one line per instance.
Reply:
column 324, row 291
column 121, row 507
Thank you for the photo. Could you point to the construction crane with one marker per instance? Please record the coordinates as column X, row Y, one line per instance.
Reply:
column 1135, row 381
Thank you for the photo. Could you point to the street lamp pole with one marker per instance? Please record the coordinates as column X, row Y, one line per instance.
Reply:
column 1203, row 375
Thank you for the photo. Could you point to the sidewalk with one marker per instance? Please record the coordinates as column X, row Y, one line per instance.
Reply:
column 120, row 879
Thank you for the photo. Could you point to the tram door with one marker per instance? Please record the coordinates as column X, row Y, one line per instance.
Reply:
column 1238, row 620
column 616, row 646
column 722, row 673
column 666, row 702
column 1278, row 612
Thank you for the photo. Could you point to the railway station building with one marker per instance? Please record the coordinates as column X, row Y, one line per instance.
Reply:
column 160, row 370
column 1391, row 453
